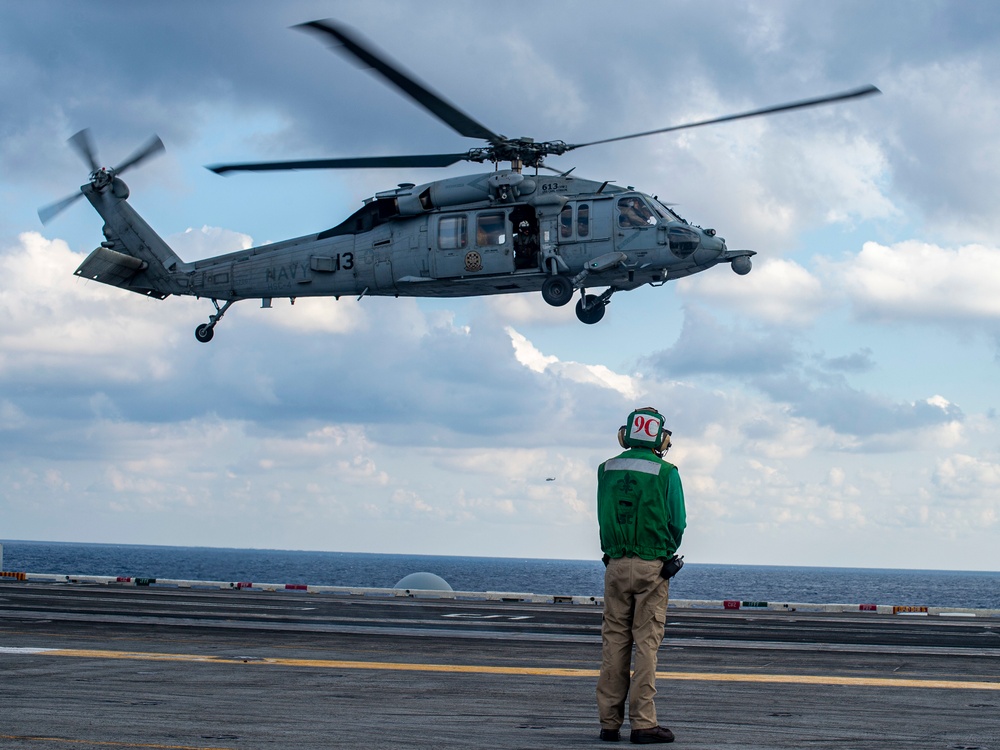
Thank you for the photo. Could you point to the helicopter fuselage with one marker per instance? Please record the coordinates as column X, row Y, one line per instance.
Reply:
column 493, row 233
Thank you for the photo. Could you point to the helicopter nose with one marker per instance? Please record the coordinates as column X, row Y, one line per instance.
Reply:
column 710, row 242
column 709, row 248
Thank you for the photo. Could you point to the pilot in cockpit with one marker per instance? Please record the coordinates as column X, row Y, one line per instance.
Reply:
column 633, row 213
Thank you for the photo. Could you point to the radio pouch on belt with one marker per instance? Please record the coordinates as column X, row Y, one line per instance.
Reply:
column 671, row 566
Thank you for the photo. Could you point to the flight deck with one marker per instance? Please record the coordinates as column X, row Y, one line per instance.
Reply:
column 120, row 665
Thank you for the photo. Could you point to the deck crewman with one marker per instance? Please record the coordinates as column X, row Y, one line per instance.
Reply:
column 640, row 509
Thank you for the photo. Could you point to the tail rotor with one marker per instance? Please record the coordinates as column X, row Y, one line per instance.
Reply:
column 100, row 177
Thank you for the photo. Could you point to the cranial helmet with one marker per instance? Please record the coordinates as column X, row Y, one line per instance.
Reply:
column 645, row 429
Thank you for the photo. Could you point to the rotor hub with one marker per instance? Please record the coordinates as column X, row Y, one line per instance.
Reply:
column 101, row 178
column 518, row 152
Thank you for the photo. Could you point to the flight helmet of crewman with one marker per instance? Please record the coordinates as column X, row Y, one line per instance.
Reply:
column 645, row 429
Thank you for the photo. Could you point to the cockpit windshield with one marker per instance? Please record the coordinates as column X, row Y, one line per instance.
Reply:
column 664, row 211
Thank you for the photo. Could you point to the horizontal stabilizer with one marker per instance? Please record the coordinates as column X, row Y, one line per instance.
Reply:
column 117, row 269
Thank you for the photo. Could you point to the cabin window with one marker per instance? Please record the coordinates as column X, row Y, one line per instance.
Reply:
column 583, row 220
column 490, row 229
column 566, row 222
column 582, row 225
column 453, row 233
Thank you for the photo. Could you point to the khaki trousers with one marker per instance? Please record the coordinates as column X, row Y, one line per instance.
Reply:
column 635, row 611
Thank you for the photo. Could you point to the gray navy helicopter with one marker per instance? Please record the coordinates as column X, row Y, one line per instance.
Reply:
column 498, row 232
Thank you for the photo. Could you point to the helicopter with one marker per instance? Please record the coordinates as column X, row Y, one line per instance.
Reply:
column 510, row 230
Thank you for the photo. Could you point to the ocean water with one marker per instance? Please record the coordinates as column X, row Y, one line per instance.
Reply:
column 930, row 588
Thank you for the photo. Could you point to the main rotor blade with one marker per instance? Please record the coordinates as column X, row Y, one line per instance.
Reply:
column 152, row 147
column 852, row 94
column 48, row 213
column 84, row 144
column 360, row 162
column 434, row 103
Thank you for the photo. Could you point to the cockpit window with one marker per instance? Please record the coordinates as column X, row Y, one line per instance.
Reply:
column 633, row 213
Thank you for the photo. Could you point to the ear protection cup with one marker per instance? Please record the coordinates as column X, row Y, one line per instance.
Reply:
column 621, row 437
column 665, row 442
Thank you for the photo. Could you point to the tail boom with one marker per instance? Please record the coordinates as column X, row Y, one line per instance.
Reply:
column 133, row 256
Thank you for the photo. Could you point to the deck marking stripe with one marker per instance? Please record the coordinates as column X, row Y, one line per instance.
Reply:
column 104, row 743
column 788, row 679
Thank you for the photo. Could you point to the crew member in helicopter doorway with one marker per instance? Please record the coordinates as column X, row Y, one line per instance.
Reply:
column 640, row 509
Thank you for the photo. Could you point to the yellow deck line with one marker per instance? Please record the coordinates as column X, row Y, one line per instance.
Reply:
column 787, row 679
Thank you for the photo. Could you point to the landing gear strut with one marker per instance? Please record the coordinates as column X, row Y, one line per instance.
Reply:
column 206, row 331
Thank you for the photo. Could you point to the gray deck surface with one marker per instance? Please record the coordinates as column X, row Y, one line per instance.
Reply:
column 177, row 668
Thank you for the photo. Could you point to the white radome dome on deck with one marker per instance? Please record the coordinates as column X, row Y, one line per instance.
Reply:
column 423, row 582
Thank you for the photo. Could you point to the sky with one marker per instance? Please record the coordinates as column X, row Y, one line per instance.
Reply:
column 835, row 407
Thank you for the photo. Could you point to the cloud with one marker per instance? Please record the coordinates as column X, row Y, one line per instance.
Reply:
column 775, row 434
column 860, row 361
column 846, row 171
column 593, row 374
column 774, row 363
column 521, row 309
column 963, row 477
column 961, row 499
column 832, row 402
column 195, row 244
column 943, row 147
column 11, row 417
column 59, row 326
column 707, row 345
column 776, row 291
column 914, row 281
column 511, row 463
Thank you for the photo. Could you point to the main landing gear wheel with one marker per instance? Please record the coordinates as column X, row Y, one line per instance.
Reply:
column 204, row 333
column 557, row 290
column 590, row 310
